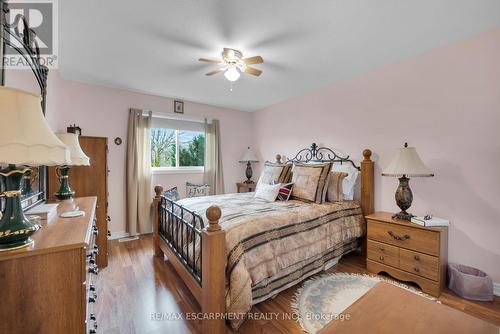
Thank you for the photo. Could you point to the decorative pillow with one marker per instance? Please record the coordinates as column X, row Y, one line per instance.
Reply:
column 172, row 194
column 285, row 192
column 197, row 190
column 268, row 192
column 274, row 173
column 310, row 181
column 335, row 191
column 349, row 181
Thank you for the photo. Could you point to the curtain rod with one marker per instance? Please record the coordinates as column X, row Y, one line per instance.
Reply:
column 177, row 117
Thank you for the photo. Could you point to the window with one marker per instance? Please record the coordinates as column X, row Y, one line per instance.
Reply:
column 177, row 146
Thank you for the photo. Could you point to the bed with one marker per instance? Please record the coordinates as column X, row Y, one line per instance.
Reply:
column 235, row 250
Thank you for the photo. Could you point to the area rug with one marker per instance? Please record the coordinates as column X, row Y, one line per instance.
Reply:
column 323, row 299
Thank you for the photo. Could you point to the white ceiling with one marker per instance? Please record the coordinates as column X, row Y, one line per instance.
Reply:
column 152, row 46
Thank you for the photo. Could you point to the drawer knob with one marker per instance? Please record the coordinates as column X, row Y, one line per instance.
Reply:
column 382, row 249
column 417, row 257
column 416, row 269
column 399, row 237
column 381, row 258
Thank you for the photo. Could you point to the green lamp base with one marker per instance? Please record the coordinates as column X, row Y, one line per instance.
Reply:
column 64, row 192
column 15, row 227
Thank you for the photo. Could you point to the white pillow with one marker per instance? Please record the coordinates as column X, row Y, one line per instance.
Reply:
column 268, row 192
column 349, row 181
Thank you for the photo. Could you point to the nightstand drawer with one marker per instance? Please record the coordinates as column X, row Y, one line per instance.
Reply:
column 419, row 264
column 420, row 240
column 383, row 253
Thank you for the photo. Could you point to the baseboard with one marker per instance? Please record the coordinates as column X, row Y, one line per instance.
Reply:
column 118, row 235
column 496, row 289
column 122, row 234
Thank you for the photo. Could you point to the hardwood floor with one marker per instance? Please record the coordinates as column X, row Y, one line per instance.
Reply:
column 139, row 293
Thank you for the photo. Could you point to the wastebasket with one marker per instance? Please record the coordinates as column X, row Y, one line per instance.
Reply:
column 470, row 283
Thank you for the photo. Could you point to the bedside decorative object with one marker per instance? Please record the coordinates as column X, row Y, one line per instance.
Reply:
column 406, row 163
column 25, row 140
column 248, row 187
column 78, row 158
column 249, row 157
column 179, row 106
column 407, row 251
column 74, row 129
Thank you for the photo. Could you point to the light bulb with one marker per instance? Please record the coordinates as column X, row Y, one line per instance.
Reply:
column 232, row 74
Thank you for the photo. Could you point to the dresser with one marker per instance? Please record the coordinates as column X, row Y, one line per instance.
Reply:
column 407, row 251
column 48, row 288
column 90, row 181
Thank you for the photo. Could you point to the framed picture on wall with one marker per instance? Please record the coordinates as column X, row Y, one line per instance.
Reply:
column 179, row 106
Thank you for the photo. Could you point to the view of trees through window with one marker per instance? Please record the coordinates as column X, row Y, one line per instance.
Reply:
column 177, row 148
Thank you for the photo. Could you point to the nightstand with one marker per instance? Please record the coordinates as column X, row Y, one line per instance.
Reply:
column 407, row 251
column 247, row 187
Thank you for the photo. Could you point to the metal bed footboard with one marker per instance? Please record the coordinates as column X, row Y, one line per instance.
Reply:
column 181, row 230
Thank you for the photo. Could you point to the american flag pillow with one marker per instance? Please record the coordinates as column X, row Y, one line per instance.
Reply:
column 285, row 192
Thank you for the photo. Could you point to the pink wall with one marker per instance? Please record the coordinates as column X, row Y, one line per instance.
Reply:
column 102, row 111
column 446, row 103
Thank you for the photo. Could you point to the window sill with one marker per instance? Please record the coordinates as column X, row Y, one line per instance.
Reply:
column 181, row 170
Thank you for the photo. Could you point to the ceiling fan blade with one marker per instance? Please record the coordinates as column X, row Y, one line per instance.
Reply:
column 253, row 60
column 211, row 61
column 252, row 71
column 215, row 72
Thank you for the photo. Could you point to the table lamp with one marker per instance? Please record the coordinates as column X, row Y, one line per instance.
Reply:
column 25, row 140
column 77, row 157
column 406, row 163
column 249, row 157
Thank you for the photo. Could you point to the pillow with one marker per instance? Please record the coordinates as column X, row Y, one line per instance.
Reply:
column 285, row 192
column 274, row 173
column 268, row 192
column 349, row 181
column 310, row 181
column 172, row 194
column 335, row 191
column 197, row 190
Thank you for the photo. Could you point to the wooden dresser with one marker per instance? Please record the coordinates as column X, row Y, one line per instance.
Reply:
column 407, row 251
column 48, row 288
column 90, row 181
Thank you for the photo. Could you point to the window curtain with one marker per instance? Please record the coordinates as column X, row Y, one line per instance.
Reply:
column 139, row 189
column 213, row 158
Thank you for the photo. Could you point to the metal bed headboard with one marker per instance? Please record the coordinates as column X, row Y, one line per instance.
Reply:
column 321, row 154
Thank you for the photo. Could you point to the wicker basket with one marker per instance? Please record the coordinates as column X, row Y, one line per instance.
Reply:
column 470, row 283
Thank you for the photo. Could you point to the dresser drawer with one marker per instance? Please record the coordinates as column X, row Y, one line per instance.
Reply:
column 419, row 264
column 383, row 253
column 420, row 240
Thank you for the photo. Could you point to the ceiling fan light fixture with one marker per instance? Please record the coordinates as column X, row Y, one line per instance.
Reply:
column 232, row 74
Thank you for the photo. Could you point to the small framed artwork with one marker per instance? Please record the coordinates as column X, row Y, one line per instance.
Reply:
column 179, row 106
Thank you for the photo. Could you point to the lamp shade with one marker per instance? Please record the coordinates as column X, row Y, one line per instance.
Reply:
column 249, row 155
column 407, row 162
column 78, row 157
column 25, row 136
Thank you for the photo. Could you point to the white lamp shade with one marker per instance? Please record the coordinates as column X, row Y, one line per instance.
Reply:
column 25, row 136
column 249, row 155
column 407, row 162
column 78, row 157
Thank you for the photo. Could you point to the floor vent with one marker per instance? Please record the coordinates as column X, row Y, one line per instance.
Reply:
column 127, row 239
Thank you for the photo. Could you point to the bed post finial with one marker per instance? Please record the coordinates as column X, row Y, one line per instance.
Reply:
column 156, row 220
column 278, row 158
column 367, row 153
column 158, row 190
column 213, row 214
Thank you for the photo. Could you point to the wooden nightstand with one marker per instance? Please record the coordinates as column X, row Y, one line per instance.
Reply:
column 245, row 186
column 407, row 251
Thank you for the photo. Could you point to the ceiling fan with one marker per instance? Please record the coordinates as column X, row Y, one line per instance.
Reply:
column 233, row 63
